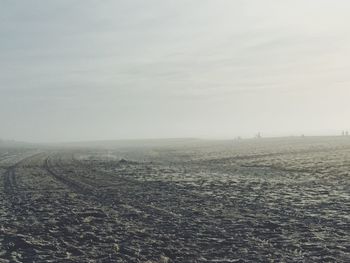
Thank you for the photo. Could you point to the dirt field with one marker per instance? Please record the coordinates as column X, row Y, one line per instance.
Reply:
column 268, row 200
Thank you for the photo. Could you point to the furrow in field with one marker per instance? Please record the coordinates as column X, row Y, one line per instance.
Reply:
column 10, row 183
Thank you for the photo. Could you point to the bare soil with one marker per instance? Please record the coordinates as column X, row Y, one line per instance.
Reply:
column 269, row 200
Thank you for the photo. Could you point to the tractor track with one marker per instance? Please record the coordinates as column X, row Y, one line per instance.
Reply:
column 140, row 216
column 10, row 177
column 103, row 195
column 10, row 181
column 75, row 186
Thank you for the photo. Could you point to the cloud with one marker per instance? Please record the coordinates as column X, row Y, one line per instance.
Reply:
column 78, row 62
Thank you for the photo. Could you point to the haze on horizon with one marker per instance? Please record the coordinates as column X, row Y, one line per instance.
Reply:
column 74, row 70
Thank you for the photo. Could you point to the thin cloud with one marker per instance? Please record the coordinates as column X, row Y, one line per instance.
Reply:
column 105, row 68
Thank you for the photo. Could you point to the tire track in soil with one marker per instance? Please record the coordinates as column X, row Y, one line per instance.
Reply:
column 10, row 182
column 144, row 219
column 75, row 186
column 9, row 236
column 130, row 241
column 55, row 215
column 181, row 230
column 10, row 178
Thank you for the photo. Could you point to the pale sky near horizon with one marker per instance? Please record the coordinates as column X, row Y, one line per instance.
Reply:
column 74, row 70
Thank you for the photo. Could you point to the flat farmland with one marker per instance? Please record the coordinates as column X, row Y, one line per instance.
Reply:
column 263, row 200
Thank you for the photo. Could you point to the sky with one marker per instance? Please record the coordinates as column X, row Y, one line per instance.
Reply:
column 75, row 70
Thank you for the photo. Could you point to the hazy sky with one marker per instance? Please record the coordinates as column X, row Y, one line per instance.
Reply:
column 85, row 70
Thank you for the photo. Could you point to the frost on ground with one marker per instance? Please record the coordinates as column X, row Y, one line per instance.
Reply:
column 268, row 200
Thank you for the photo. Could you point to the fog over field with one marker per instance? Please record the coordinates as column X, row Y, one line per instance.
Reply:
column 174, row 131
